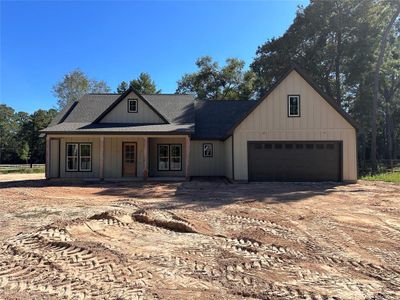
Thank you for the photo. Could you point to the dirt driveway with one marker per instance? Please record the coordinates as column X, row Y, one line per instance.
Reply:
column 198, row 240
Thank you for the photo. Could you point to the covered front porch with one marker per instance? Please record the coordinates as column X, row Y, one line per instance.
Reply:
column 117, row 157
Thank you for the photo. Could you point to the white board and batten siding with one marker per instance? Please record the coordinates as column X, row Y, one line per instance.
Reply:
column 144, row 115
column 318, row 121
column 207, row 166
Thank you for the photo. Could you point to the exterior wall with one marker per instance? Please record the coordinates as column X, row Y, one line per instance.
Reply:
column 113, row 156
column 318, row 122
column 95, row 157
column 207, row 166
column 54, row 170
column 120, row 113
column 228, row 158
column 153, row 142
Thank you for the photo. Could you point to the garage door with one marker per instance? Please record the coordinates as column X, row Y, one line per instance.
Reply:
column 294, row 161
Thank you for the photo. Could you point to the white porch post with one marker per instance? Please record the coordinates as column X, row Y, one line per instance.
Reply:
column 47, row 166
column 145, row 159
column 101, row 168
column 187, row 157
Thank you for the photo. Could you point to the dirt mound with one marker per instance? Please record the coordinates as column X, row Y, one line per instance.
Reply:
column 164, row 219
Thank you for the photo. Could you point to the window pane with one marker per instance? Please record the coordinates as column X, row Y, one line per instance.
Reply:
column 72, row 149
column 86, row 164
column 72, row 163
column 163, row 163
column 85, row 149
column 175, row 163
column 293, row 106
column 163, row 150
column 132, row 105
column 207, row 150
column 175, row 150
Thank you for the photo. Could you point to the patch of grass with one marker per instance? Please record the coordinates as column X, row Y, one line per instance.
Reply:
column 387, row 177
column 22, row 170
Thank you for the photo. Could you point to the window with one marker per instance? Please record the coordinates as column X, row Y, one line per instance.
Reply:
column 79, row 157
column 85, row 157
column 72, row 157
column 299, row 146
column 163, row 157
column 208, row 150
column 132, row 105
column 170, row 157
column 176, row 157
column 294, row 106
column 288, row 146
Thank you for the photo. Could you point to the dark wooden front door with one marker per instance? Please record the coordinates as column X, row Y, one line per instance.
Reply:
column 129, row 159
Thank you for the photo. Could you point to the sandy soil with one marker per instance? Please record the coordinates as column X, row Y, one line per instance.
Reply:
column 198, row 240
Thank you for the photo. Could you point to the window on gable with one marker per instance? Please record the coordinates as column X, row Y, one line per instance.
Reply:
column 132, row 105
column 208, row 150
column 294, row 106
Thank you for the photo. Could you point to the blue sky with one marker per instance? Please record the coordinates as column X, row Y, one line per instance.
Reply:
column 115, row 41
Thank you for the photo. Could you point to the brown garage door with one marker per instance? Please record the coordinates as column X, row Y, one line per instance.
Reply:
column 294, row 161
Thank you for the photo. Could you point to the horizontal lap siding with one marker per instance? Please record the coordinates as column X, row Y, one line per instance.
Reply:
column 318, row 122
column 207, row 166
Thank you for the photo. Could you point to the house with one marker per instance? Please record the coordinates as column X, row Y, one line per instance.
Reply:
column 293, row 133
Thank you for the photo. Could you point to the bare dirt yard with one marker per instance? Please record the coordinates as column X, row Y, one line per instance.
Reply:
column 198, row 240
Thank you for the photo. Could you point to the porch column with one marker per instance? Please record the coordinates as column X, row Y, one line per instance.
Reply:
column 187, row 157
column 47, row 166
column 145, row 160
column 101, row 167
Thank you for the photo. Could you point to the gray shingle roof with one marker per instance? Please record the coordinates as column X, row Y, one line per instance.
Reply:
column 214, row 118
column 80, row 116
column 203, row 119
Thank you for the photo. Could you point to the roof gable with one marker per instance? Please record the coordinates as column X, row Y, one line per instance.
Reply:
column 130, row 93
column 332, row 103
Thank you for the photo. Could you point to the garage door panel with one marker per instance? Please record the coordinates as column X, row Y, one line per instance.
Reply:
column 294, row 161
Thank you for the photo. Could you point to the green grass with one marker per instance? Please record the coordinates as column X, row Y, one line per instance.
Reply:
column 22, row 170
column 387, row 177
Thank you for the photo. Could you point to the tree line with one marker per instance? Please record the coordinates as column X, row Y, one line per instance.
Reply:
column 350, row 48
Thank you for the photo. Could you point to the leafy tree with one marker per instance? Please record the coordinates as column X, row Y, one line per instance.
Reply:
column 339, row 43
column 378, row 65
column 143, row 85
column 212, row 82
column 8, row 131
column 24, row 153
column 74, row 85
column 122, row 87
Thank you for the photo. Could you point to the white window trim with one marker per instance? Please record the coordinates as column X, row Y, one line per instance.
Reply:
column 298, row 105
column 129, row 105
column 86, row 156
column 73, row 157
column 204, row 150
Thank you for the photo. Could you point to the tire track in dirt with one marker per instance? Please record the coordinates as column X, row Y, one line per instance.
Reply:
column 138, row 255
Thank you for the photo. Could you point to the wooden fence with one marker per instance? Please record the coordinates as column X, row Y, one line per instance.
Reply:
column 20, row 166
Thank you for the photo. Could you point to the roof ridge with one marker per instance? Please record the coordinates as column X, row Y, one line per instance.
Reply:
column 167, row 94
column 103, row 94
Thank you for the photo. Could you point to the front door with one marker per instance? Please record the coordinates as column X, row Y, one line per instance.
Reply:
column 129, row 159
